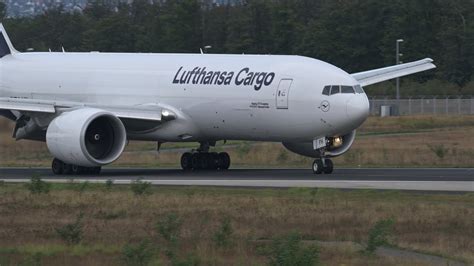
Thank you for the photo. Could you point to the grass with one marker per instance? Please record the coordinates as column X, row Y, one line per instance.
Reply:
column 430, row 223
column 418, row 141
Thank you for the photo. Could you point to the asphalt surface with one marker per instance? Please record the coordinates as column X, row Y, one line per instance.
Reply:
column 453, row 180
column 354, row 174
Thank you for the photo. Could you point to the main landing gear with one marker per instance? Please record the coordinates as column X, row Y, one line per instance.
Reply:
column 61, row 168
column 202, row 159
column 323, row 165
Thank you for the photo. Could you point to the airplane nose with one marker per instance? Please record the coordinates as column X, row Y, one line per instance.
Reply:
column 357, row 109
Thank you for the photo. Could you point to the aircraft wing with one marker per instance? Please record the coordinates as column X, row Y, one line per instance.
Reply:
column 382, row 74
column 151, row 112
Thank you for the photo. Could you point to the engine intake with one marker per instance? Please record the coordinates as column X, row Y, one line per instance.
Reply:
column 87, row 137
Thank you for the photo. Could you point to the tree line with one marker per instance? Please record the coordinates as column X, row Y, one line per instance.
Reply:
column 355, row 35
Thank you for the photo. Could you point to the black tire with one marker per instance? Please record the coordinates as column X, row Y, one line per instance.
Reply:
column 186, row 161
column 57, row 167
column 78, row 170
column 204, row 161
column 224, row 161
column 91, row 170
column 94, row 170
column 329, row 166
column 317, row 167
column 67, row 169
column 86, row 170
column 195, row 161
column 214, row 161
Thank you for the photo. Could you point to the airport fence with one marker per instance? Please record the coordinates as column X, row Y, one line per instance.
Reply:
column 427, row 105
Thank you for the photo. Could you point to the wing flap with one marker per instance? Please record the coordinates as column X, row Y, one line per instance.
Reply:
column 382, row 74
column 26, row 106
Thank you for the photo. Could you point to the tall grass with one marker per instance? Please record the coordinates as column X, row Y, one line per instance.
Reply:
column 185, row 220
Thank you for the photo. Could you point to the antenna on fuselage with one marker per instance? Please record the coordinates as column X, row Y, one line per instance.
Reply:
column 207, row 47
column 62, row 47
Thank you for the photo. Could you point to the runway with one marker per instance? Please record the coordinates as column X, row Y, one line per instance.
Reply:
column 429, row 179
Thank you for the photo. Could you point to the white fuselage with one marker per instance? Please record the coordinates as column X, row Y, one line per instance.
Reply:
column 252, row 97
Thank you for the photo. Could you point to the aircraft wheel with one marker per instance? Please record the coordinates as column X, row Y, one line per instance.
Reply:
column 317, row 166
column 67, row 169
column 224, row 161
column 57, row 167
column 91, row 170
column 329, row 166
column 195, row 161
column 214, row 161
column 96, row 170
column 78, row 170
column 186, row 161
column 204, row 161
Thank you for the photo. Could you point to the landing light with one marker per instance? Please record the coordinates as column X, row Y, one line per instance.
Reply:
column 337, row 142
column 168, row 115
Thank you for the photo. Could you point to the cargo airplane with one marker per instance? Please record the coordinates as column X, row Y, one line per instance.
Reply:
column 87, row 106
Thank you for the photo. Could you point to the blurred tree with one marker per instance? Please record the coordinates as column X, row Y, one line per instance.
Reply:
column 354, row 35
column 3, row 11
column 181, row 22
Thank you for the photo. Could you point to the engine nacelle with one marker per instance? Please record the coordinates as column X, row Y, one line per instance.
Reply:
column 335, row 146
column 86, row 137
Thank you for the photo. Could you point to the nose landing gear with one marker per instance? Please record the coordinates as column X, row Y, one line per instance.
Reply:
column 323, row 165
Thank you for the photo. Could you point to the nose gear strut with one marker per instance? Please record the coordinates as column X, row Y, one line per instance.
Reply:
column 322, row 164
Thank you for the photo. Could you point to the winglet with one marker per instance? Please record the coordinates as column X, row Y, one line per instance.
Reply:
column 6, row 46
column 382, row 74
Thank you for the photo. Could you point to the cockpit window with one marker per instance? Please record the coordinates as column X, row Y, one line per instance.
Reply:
column 347, row 89
column 335, row 89
column 359, row 89
column 326, row 90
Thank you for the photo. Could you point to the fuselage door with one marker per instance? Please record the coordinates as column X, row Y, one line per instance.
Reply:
column 283, row 93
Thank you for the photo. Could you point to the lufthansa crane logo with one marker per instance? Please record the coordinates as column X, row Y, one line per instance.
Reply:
column 325, row 106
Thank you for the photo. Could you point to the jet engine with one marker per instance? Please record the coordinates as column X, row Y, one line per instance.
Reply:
column 336, row 146
column 86, row 137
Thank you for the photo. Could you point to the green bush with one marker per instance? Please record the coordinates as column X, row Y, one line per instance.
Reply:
column 37, row 186
column 243, row 149
column 108, row 184
column 282, row 156
column 378, row 235
column 190, row 260
column 34, row 259
column 140, row 187
column 110, row 214
column 169, row 228
column 290, row 251
column 439, row 150
column 138, row 254
column 223, row 236
column 82, row 186
column 72, row 233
